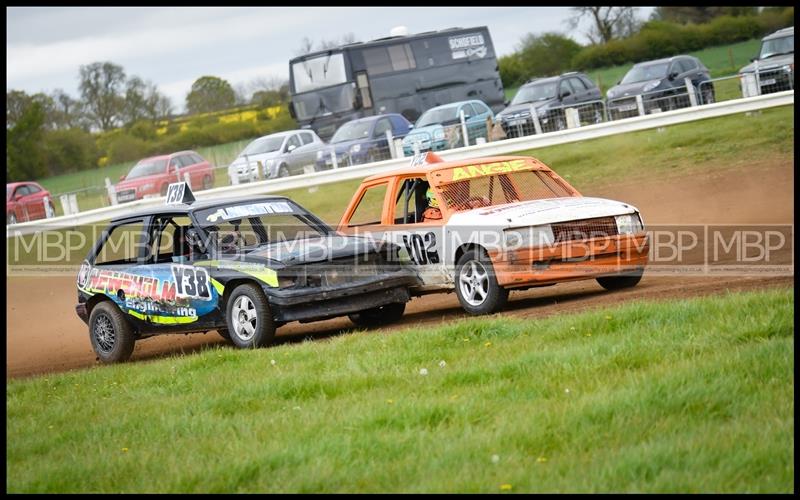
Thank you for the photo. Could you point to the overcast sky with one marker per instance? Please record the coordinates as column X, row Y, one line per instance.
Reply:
column 173, row 46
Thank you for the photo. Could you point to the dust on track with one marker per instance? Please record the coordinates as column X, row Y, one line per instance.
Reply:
column 44, row 334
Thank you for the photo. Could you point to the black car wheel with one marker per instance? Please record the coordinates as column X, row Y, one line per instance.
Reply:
column 249, row 317
column 621, row 281
column 111, row 335
column 476, row 284
column 379, row 316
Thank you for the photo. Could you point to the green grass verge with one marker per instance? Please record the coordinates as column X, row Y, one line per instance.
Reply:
column 680, row 396
column 724, row 60
column 700, row 146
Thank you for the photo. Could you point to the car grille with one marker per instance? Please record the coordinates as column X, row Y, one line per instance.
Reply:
column 584, row 229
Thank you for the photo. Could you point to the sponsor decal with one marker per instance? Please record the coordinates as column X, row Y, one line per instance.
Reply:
column 468, row 46
column 253, row 209
column 497, row 167
column 83, row 274
column 133, row 285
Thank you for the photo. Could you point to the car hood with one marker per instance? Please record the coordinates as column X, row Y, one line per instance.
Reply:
column 523, row 107
column 631, row 89
column 134, row 183
column 771, row 63
column 241, row 160
column 536, row 212
column 310, row 250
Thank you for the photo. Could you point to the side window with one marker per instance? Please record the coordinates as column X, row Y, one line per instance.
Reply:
column 33, row 189
column 377, row 61
column 186, row 160
column 675, row 67
column 577, row 84
column 170, row 237
column 402, row 57
column 370, row 207
column 197, row 158
column 122, row 245
column 480, row 108
column 293, row 141
column 307, row 138
column 175, row 162
column 564, row 86
column 381, row 127
column 22, row 191
column 588, row 83
column 410, row 201
column 468, row 110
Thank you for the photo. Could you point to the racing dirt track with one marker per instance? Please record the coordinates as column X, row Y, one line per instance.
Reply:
column 45, row 335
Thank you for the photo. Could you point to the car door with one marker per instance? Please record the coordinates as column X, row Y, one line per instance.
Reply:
column 293, row 154
column 581, row 91
column 174, row 170
column 307, row 152
column 379, row 144
column 34, row 202
column 21, row 209
column 567, row 94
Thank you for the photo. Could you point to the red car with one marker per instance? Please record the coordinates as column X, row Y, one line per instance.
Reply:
column 26, row 201
column 151, row 176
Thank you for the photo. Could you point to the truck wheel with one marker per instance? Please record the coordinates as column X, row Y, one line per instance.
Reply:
column 207, row 182
column 476, row 284
column 249, row 317
column 379, row 315
column 621, row 281
column 111, row 335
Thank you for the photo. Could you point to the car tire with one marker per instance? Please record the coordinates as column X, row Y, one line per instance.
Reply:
column 283, row 171
column 621, row 281
column 207, row 182
column 249, row 317
column 111, row 335
column 476, row 284
column 11, row 219
column 379, row 316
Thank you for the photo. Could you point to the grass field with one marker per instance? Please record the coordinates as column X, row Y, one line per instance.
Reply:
column 717, row 143
column 680, row 396
column 724, row 60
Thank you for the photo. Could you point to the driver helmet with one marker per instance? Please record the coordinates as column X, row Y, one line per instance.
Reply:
column 432, row 201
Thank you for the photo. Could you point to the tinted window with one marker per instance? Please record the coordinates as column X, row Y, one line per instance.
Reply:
column 577, row 84
column 22, row 191
column 370, row 208
column 307, row 138
column 588, row 83
column 402, row 58
column 468, row 110
column 32, row 188
column 565, row 87
column 377, row 61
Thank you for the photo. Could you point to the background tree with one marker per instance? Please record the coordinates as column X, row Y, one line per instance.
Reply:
column 102, row 87
column 698, row 15
column 24, row 156
column 210, row 93
column 268, row 92
column 548, row 54
column 607, row 23
column 67, row 112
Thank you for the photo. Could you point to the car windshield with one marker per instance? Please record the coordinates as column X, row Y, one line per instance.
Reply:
column 499, row 189
column 535, row 92
column 646, row 72
column 148, row 167
column 351, row 131
column 438, row 115
column 247, row 226
column 777, row 46
column 263, row 145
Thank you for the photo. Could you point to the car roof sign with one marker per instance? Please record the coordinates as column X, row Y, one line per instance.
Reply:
column 179, row 193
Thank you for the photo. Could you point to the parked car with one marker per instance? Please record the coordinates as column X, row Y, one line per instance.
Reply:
column 440, row 127
column 363, row 140
column 275, row 155
column 151, row 176
column 25, row 201
column 242, row 267
column 485, row 226
column 660, row 83
column 549, row 97
column 775, row 62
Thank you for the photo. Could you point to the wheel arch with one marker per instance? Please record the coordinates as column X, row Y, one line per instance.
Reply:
column 464, row 248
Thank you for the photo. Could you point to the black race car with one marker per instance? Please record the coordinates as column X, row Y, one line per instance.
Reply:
column 242, row 267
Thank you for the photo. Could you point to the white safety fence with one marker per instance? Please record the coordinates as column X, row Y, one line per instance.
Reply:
column 487, row 148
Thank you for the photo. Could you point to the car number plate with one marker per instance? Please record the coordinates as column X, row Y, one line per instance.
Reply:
column 769, row 81
column 125, row 197
column 518, row 121
column 627, row 107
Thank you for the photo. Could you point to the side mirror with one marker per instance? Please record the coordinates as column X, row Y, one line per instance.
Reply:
column 122, row 177
column 619, row 81
column 410, row 126
column 506, row 103
column 566, row 93
column 673, row 75
column 291, row 148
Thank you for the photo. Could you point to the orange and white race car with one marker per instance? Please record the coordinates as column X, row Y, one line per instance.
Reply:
column 487, row 226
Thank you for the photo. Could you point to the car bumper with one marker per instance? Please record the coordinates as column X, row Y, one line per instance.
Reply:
column 313, row 304
column 572, row 260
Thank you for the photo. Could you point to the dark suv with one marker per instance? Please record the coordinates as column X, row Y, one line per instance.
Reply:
column 662, row 85
column 550, row 97
column 775, row 63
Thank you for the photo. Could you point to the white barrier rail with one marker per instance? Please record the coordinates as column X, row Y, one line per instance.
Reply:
column 488, row 149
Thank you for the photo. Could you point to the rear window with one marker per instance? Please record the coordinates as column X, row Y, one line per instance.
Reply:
column 490, row 190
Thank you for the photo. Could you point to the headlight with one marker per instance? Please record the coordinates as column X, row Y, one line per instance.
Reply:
column 355, row 148
column 438, row 133
column 650, row 86
column 610, row 94
column 532, row 236
column 788, row 67
column 629, row 223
